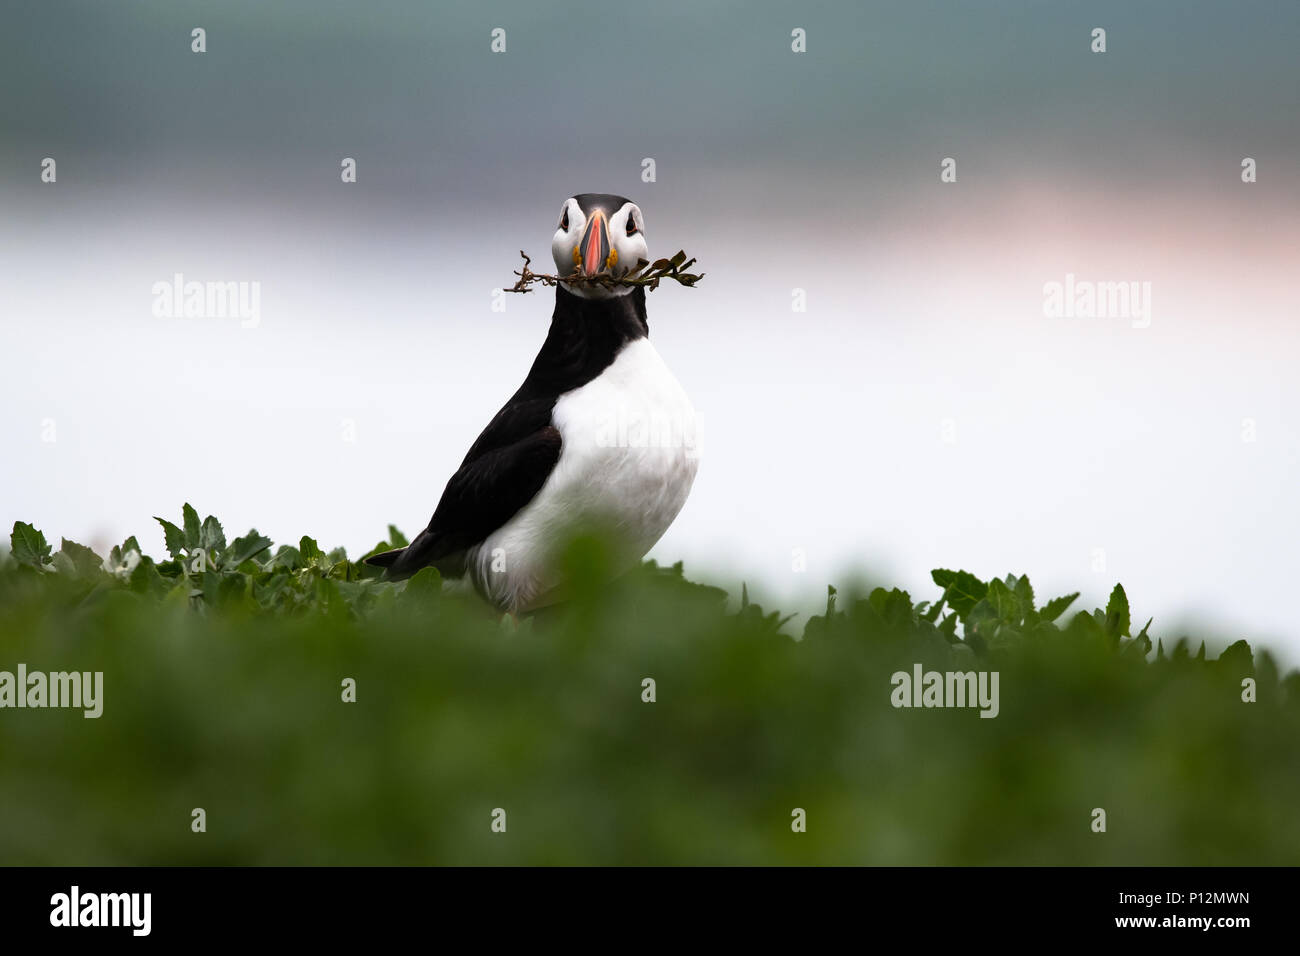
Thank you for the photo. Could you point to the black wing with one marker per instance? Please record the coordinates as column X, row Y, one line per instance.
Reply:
column 512, row 459
column 504, row 470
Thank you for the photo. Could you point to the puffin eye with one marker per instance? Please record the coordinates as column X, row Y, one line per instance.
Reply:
column 564, row 221
column 631, row 224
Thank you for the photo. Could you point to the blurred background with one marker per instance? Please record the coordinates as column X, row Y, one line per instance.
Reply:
column 922, row 412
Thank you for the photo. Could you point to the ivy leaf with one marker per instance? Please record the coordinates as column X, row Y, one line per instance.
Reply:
column 29, row 546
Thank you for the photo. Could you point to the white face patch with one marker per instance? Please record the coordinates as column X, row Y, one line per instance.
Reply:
column 567, row 236
column 627, row 243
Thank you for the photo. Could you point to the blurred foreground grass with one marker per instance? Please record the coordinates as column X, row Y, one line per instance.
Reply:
column 222, row 690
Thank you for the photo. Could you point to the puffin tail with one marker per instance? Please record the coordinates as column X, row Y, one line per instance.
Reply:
column 385, row 559
column 423, row 552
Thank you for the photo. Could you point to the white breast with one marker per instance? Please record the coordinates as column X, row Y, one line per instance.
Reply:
column 627, row 463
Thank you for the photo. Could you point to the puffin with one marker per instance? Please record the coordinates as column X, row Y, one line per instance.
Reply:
column 600, row 435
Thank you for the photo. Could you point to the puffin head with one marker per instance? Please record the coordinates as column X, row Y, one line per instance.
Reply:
column 598, row 233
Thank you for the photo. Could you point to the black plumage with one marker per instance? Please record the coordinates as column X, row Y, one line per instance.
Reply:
column 510, row 461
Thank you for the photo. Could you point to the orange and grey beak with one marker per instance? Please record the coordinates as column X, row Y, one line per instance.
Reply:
column 593, row 252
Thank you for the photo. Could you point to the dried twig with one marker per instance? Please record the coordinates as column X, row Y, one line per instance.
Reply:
column 645, row 274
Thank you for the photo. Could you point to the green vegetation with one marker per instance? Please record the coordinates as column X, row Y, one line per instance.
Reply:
column 224, row 666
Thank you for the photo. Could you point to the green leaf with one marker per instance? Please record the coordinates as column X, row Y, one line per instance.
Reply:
column 85, row 562
column 395, row 538
column 118, row 555
column 179, row 594
column 1091, row 625
column 423, row 588
column 310, row 551
column 1117, row 615
column 192, row 528
column 1237, row 656
column 173, row 537
column 894, row 607
column 29, row 545
column 1142, row 639
column 1004, row 601
column 233, row 592
column 1025, row 592
column 211, row 537
column 962, row 590
column 145, row 579
column 340, row 570
column 287, row 557
column 241, row 549
column 983, row 619
column 931, row 612
column 1056, row 607
column 267, row 592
